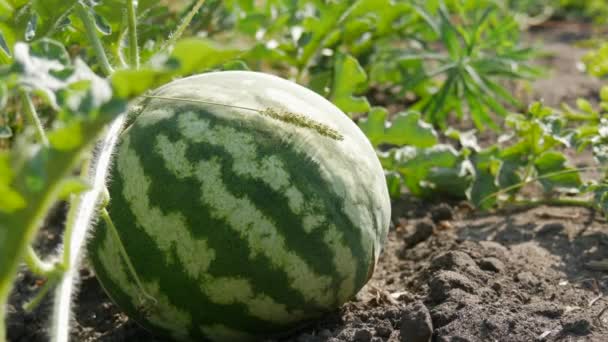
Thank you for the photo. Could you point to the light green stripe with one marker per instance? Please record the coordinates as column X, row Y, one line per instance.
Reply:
column 261, row 234
column 247, row 162
column 223, row 290
column 169, row 231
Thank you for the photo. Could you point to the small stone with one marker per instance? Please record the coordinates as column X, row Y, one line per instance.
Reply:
column 492, row 265
column 416, row 324
column 363, row 335
column 445, row 281
column 579, row 327
column 421, row 231
column 546, row 309
column 442, row 212
column 384, row 329
column 453, row 260
column 325, row 334
column 527, row 279
column 551, row 229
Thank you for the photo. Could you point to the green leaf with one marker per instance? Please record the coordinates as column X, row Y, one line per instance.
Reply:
column 486, row 168
column 604, row 94
column 50, row 14
column 72, row 185
column 374, row 125
column 417, row 166
column 406, row 128
column 67, row 138
column 196, row 55
column 584, row 105
column 466, row 139
column 102, row 24
column 128, row 83
column 5, row 132
column 10, row 200
column 348, row 78
column 564, row 177
column 393, row 182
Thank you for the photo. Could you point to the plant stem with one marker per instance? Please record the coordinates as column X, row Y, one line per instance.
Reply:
column 313, row 47
column 84, row 15
column 85, row 209
column 182, row 26
column 18, row 228
column 30, row 112
column 2, row 323
column 132, row 24
column 544, row 176
column 556, row 202
column 36, row 265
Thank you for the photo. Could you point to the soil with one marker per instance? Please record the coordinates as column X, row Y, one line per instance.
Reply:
column 447, row 273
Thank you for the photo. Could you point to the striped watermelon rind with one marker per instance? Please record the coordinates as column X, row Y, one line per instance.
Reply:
column 239, row 224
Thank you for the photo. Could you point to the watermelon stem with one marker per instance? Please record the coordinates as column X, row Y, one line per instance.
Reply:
column 132, row 28
column 91, row 31
column 82, row 212
column 114, row 232
column 30, row 113
column 50, row 283
column 38, row 266
column 174, row 36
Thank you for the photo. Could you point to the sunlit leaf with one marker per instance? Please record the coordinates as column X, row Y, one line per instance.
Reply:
column 406, row 128
column 552, row 167
column 196, row 55
column 348, row 79
column 71, row 186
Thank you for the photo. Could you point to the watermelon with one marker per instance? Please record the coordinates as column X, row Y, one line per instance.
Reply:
column 244, row 206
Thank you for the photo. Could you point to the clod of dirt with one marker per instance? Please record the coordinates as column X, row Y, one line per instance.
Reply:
column 527, row 279
column 491, row 264
column 576, row 326
column 416, row 324
column 442, row 212
column 453, row 261
column 363, row 335
column 551, row 229
column 443, row 282
column 384, row 329
column 420, row 232
column 546, row 309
